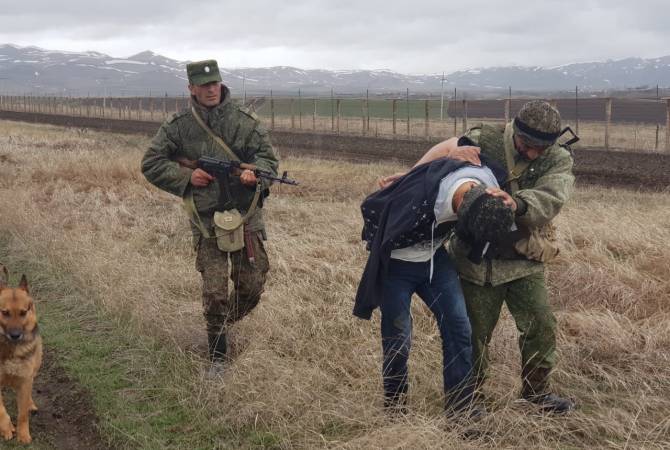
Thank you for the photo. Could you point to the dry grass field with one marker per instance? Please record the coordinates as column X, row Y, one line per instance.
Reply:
column 305, row 371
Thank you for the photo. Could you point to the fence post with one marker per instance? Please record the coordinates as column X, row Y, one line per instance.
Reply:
column 465, row 116
column 314, row 115
column 667, row 126
column 272, row 111
column 367, row 111
column 299, row 109
column 291, row 109
column 576, row 111
column 608, row 122
column 427, row 130
column 139, row 108
column 332, row 111
column 408, row 117
column 455, row 118
column 395, row 114
column 508, row 109
column 339, row 112
column 362, row 116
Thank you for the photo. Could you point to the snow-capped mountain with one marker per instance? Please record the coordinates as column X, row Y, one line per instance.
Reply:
column 33, row 70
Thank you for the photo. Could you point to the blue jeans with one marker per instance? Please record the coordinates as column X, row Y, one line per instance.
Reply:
column 444, row 297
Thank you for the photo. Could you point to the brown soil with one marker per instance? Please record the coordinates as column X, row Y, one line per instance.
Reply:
column 65, row 419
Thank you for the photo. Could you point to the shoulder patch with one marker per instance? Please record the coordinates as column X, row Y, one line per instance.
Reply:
column 248, row 112
column 564, row 152
column 500, row 128
column 177, row 115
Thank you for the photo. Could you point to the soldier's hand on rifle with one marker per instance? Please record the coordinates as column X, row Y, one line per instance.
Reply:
column 200, row 178
column 507, row 199
column 248, row 177
column 384, row 182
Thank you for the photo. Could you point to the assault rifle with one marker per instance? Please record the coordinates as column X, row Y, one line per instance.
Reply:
column 220, row 167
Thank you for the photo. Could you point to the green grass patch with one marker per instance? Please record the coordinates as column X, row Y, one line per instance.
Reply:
column 134, row 381
column 353, row 107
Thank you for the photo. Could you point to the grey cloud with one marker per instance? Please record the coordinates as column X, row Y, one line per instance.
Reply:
column 418, row 36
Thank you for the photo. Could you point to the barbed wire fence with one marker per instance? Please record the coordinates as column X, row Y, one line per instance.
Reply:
column 613, row 123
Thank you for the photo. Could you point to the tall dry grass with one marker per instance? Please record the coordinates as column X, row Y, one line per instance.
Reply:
column 303, row 366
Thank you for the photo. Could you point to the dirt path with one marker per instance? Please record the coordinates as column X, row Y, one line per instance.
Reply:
column 66, row 418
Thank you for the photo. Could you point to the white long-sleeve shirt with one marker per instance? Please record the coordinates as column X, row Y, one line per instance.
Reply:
column 444, row 211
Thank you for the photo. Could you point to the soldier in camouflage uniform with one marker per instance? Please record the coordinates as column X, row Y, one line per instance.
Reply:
column 181, row 136
column 539, row 184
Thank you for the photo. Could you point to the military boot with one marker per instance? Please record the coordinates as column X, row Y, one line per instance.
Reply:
column 536, row 390
column 463, row 404
column 217, row 353
column 217, row 346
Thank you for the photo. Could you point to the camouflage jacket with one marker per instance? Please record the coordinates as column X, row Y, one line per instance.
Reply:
column 544, row 186
column 181, row 136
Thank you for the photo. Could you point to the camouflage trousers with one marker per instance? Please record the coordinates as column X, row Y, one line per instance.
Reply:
column 220, row 306
column 526, row 299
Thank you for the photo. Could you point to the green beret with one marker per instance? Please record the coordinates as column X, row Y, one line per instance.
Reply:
column 203, row 72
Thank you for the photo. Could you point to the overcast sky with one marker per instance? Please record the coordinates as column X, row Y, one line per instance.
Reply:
column 419, row 36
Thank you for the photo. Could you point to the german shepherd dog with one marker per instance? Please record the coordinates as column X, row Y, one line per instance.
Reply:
column 20, row 354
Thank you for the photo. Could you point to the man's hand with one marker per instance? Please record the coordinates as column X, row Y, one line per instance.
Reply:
column 507, row 199
column 450, row 149
column 200, row 178
column 466, row 153
column 248, row 178
column 384, row 182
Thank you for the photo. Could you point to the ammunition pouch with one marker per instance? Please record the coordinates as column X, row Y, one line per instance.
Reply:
column 538, row 244
column 229, row 230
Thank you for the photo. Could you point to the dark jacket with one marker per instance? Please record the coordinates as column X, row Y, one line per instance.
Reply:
column 398, row 209
column 403, row 210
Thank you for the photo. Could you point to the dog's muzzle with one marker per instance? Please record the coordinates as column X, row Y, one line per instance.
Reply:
column 14, row 336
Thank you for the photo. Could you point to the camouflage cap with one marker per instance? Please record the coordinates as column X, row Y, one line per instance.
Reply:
column 203, row 72
column 483, row 217
column 538, row 124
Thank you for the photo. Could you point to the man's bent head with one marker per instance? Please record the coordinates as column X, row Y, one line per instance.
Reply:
column 483, row 217
column 537, row 126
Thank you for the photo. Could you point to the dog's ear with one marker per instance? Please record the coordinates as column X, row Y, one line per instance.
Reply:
column 4, row 276
column 23, row 284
